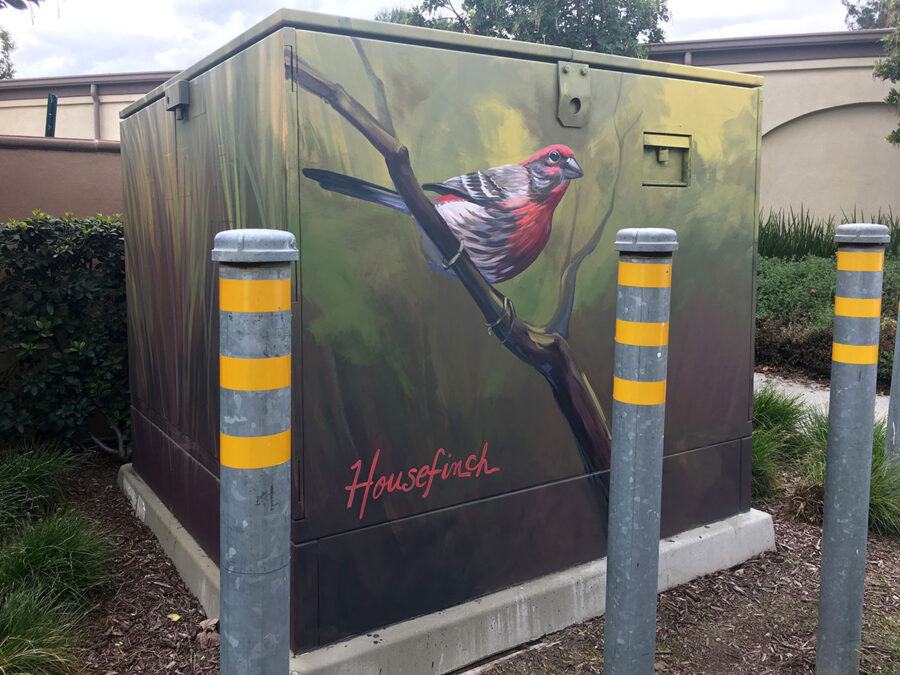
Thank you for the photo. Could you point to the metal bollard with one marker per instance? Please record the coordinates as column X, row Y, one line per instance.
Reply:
column 639, row 395
column 255, row 448
column 892, row 438
column 851, row 412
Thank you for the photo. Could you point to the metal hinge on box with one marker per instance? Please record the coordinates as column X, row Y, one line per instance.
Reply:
column 574, row 93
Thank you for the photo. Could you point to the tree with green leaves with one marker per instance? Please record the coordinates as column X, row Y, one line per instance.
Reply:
column 612, row 26
column 865, row 14
column 6, row 42
column 19, row 4
column 888, row 68
column 6, row 47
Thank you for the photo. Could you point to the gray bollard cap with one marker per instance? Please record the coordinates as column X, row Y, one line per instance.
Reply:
column 255, row 246
column 862, row 233
column 646, row 240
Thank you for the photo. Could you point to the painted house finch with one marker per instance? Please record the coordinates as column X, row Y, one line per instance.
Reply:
column 501, row 216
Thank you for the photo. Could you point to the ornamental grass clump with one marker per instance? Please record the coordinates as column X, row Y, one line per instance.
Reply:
column 776, row 438
column 32, row 481
column 36, row 636
column 64, row 556
column 884, row 493
column 54, row 564
column 766, row 467
column 793, row 235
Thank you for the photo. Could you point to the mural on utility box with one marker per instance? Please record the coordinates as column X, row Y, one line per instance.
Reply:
column 485, row 227
column 452, row 340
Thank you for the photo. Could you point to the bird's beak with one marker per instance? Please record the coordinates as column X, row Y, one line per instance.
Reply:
column 570, row 169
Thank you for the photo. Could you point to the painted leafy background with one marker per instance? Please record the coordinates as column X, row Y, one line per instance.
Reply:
column 390, row 355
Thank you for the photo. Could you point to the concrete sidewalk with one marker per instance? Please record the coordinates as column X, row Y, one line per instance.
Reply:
column 812, row 393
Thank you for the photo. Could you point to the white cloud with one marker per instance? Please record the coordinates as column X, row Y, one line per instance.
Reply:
column 707, row 19
column 70, row 37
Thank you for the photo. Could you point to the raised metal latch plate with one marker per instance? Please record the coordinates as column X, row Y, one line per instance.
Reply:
column 178, row 97
column 574, row 93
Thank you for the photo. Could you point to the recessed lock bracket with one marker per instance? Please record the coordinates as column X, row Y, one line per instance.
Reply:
column 667, row 160
column 574, row 93
column 178, row 98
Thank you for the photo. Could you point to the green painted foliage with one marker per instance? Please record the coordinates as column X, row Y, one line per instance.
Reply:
column 63, row 362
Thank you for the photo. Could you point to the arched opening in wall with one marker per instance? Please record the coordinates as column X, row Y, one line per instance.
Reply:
column 831, row 161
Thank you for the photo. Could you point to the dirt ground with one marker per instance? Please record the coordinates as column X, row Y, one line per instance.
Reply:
column 152, row 623
column 757, row 618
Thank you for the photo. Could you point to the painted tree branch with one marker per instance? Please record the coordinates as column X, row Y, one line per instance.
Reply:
column 381, row 106
column 548, row 353
column 559, row 323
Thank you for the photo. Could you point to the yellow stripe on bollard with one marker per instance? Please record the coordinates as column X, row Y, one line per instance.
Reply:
column 858, row 308
column 639, row 393
column 254, row 452
column 860, row 261
column 254, row 374
column 862, row 355
column 645, row 275
column 254, row 295
column 641, row 334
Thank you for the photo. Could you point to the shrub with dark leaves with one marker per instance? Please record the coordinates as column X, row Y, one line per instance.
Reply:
column 63, row 360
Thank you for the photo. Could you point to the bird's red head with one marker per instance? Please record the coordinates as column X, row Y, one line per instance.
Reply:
column 551, row 169
column 555, row 163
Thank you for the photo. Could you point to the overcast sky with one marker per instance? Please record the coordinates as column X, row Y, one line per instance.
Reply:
column 75, row 37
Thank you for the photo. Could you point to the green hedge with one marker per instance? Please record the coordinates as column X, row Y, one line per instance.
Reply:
column 63, row 360
column 795, row 314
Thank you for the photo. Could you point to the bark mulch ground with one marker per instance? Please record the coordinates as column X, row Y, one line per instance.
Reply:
column 759, row 617
column 132, row 631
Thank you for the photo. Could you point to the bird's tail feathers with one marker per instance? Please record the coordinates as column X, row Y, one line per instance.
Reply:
column 360, row 189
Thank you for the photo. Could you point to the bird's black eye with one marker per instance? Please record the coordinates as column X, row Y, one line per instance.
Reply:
column 554, row 156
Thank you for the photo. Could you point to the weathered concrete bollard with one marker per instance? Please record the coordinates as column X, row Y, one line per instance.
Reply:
column 255, row 448
column 851, row 412
column 639, row 395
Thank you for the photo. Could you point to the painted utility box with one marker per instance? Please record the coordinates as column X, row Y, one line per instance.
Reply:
column 436, row 458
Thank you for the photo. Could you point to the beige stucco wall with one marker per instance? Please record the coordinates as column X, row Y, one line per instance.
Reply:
column 74, row 116
column 58, row 176
column 824, row 124
column 833, row 161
